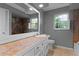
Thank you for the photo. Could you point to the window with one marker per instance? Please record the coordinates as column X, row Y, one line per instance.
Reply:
column 33, row 24
column 62, row 22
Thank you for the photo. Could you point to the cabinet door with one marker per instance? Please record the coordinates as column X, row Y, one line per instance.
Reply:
column 30, row 52
column 38, row 48
column 39, row 53
column 45, row 48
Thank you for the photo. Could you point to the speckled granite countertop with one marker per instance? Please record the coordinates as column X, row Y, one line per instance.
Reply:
column 12, row 48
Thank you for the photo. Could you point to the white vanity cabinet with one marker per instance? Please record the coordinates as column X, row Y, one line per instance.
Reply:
column 40, row 49
column 45, row 48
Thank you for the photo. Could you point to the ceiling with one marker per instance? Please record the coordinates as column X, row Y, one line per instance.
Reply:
column 51, row 6
column 27, row 11
column 22, row 7
column 47, row 6
column 26, row 8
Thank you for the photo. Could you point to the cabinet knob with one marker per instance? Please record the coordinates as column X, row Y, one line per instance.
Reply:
column 37, row 47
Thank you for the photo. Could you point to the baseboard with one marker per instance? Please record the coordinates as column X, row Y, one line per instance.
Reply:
column 64, row 47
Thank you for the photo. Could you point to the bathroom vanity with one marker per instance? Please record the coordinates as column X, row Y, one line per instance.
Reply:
column 31, row 46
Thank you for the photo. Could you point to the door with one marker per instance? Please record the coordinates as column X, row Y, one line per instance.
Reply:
column 76, row 31
column 76, row 25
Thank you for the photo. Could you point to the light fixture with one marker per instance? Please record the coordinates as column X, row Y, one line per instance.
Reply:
column 30, row 9
column 41, row 5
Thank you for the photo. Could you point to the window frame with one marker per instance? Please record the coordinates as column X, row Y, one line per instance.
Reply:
column 33, row 23
column 55, row 23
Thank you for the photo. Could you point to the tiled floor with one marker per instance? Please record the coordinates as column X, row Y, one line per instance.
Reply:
column 60, row 52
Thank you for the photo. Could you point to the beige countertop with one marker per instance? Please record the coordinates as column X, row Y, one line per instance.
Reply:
column 12, row 48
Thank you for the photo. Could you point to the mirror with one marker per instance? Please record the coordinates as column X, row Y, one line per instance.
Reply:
column 28, row 22
column 17, row 21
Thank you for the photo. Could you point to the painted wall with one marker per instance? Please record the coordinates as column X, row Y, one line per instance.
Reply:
column 4, row 21
column 62, row 37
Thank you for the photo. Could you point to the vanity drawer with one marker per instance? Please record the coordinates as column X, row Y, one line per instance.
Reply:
column 38, row 49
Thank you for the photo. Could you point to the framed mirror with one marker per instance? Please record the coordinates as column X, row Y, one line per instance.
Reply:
column 18, row 21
